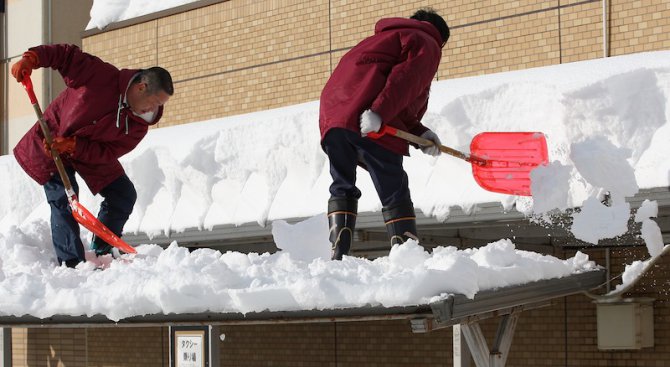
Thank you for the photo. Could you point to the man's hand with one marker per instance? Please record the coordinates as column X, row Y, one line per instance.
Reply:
column 61, row 145
column 370, row 122
column 28, row 62
column 434, row 149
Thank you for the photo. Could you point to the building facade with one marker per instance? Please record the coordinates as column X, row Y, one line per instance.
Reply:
column 234, row 57
column 23, row 24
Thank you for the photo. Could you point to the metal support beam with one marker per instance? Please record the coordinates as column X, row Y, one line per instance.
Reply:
column 503, row 341
column 214, row 345
column 477, row 344
column 461, row 352
column 497, row 356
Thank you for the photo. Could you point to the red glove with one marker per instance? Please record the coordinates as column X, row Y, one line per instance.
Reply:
column 28, row 62
column 61, row 145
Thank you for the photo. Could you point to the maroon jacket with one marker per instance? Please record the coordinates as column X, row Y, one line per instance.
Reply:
column 389, row 73
column 92, row 109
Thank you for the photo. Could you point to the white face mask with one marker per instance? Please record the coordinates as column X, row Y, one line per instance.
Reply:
column 148, row 116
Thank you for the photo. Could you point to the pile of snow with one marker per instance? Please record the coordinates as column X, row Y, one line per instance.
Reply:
column 173, row 280
column 606, row 123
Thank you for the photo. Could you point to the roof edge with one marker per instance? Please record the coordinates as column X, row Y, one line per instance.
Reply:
column 149, row 17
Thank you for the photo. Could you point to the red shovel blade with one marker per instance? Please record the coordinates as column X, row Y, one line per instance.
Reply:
column 510, row 157
column 88, row 220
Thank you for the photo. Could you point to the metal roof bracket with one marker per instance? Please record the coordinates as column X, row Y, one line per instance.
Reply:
column 483, row 357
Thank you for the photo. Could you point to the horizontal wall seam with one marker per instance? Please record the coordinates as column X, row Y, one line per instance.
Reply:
column 347, row 48
column 525, row 14
column 260, row 65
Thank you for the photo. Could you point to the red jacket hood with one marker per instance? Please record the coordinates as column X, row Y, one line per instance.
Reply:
column 388, row 24
column 389, row 73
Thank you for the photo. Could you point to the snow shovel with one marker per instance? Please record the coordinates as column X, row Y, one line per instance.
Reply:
column 79, row 212
column 501, row 161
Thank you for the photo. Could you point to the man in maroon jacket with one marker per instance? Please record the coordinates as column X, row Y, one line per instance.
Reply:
column 385, row 79
column 102, row 114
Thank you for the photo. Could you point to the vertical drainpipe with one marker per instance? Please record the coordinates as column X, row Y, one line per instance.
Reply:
column 608, row 264
column 330, row 37
column 608, row 269
column 5, row 66
column 6, row 341
column 606, row 51
column 49, row 40
column 4, row 139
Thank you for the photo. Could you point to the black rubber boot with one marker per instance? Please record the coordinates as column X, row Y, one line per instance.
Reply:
column 100, row 247
column 341, row 221
column 400, row 222
column 72, row 263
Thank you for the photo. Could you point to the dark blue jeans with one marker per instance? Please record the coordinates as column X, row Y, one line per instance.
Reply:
column 119, row 199
column 347, row 149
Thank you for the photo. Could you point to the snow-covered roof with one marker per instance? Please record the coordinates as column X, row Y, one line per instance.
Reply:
column 447, row 311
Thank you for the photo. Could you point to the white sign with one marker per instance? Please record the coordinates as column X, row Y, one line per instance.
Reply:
column 190, row 348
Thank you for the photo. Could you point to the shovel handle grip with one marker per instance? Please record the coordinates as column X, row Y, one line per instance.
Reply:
column 28, row 85
column 389, row 130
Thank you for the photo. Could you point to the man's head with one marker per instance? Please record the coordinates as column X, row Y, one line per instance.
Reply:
column 429, row 15
column 151, row 89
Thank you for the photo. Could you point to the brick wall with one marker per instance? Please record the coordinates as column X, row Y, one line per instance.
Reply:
column 346, row 344
column 90, row 347
column 20, row 347
column 128, row 347
column 229, row 58
column 280, row 345
column 236, row 57
column 49, row 347
column 639, row 26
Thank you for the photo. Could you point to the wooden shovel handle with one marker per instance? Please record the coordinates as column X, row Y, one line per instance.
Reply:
column 28, row 85
column 388, row 130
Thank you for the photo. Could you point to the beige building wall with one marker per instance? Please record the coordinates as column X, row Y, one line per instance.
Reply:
column 24, row 25
column 68, row 20
column 639, row 26
column 235, row 57
column 31, row 23
column 24, row 20
column 56, row 347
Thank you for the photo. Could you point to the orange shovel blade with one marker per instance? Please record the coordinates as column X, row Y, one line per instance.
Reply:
column 88, row 220
column 510, row 157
